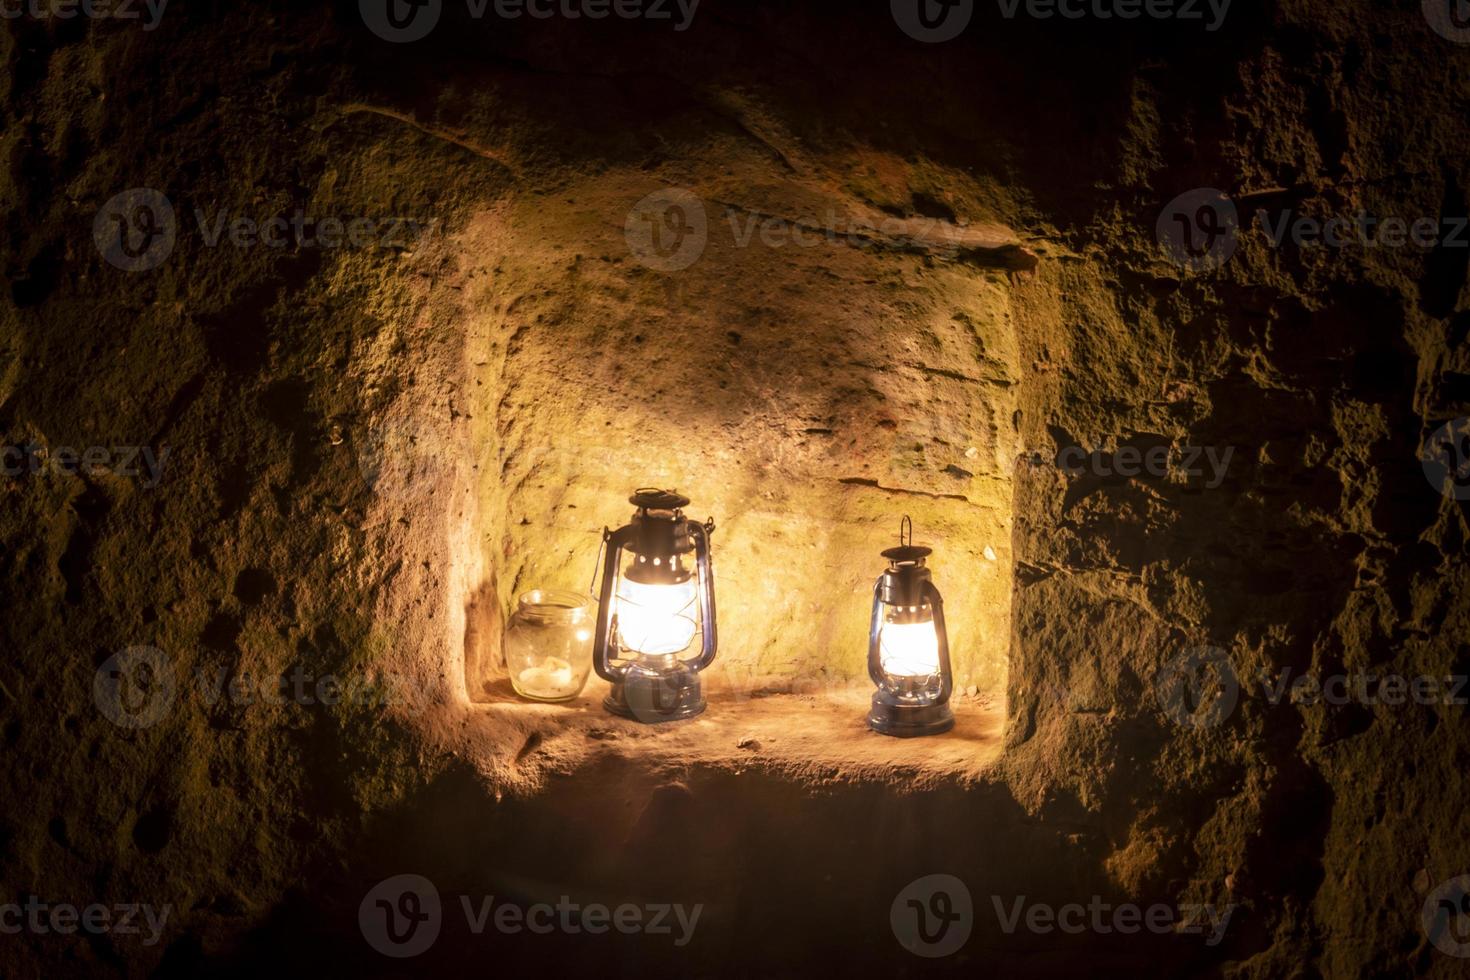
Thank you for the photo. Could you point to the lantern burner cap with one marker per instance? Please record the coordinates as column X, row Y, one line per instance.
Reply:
column 907, row 553
column 647, row 498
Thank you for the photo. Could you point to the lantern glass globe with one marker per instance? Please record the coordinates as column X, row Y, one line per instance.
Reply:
column 909, row 649
column 656, row 619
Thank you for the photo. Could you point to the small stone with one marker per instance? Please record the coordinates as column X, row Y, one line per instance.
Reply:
column 1421, row 881
column 989, row 553
column 971, row 452
column 973, row 690
column 748, row 743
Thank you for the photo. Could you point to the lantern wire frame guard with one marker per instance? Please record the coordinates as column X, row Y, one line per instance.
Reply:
column 662, row 604
column 905, row 596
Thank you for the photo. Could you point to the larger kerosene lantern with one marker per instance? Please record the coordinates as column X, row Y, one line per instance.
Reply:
column 908, row 649
column 657, row 596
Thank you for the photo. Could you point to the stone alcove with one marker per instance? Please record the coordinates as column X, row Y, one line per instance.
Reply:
column 805, row 367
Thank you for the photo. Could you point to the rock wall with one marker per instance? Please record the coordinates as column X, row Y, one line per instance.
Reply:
column 969, row 245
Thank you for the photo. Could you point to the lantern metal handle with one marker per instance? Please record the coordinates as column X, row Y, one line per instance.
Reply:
column 709, row 640
column 875, row 666
column 607, row 622
column 946, row 678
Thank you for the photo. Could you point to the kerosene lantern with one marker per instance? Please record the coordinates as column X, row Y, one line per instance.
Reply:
column 657, row 595
column 908, row 649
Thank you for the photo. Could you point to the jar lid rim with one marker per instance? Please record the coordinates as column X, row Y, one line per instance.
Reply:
column 554, row 599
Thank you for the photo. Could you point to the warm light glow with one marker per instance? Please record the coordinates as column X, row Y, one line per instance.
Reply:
column 909, row 649
column 656, row 619
column 553, row 678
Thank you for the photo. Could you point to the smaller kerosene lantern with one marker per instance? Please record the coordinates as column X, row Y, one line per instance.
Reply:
column 908, row 649
column 652, row 607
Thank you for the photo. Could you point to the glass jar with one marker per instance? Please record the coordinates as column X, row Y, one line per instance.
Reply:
column 548, row 645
